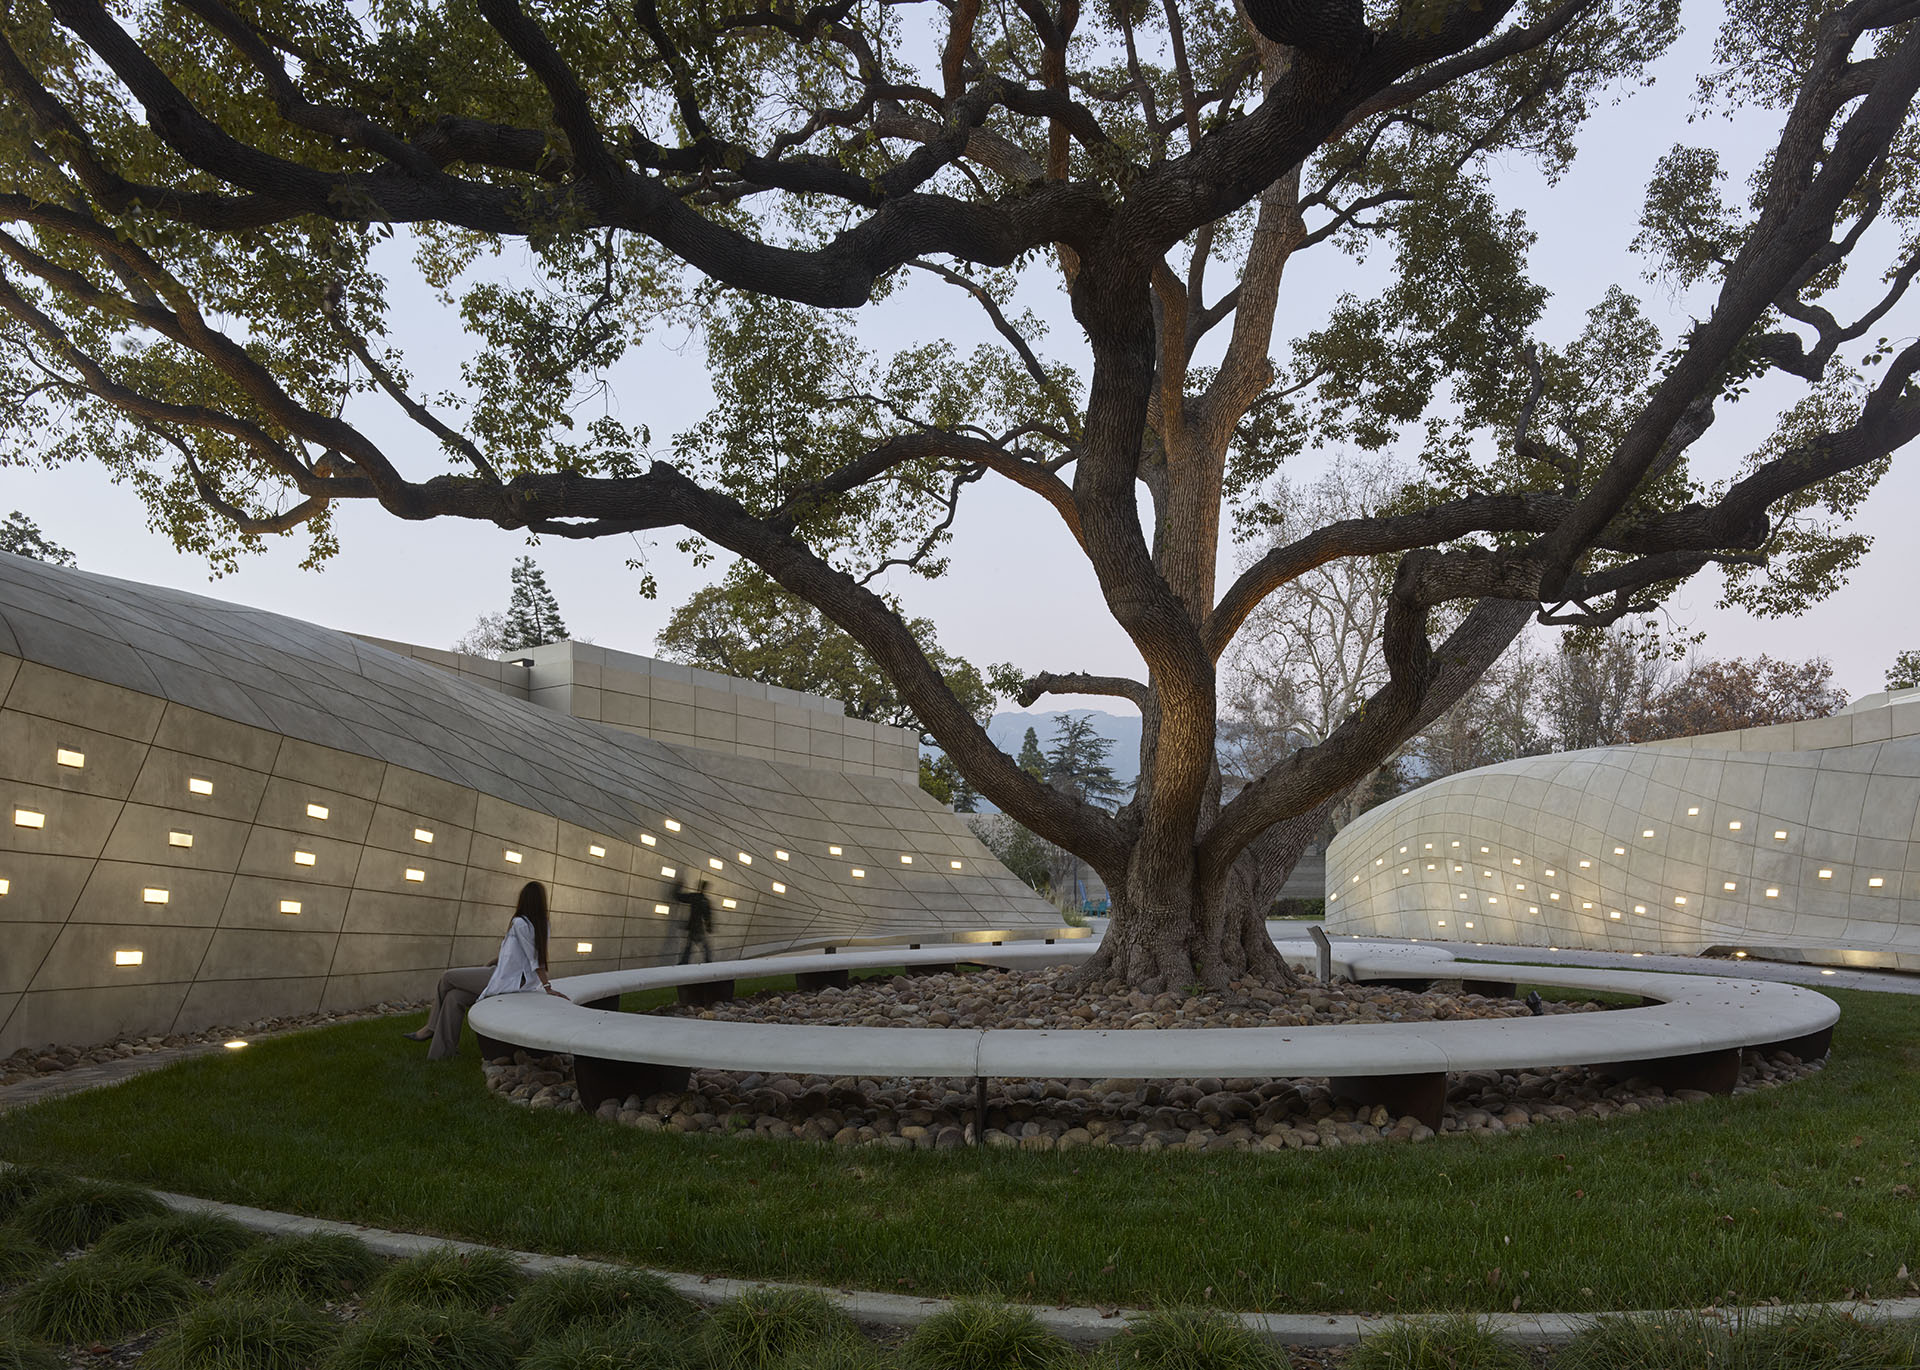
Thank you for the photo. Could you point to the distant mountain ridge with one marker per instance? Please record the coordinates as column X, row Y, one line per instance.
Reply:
column 1008, row 730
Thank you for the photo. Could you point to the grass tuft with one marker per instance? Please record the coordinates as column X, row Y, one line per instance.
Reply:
column 78, row 1213
column 21, row 1257
column 841, row 1353
column 20, row 1352
column 322, row 1267
column 450, row 1278
column 568, row 1298
column 199, row 1245
column 1191, row 1339
column 976, row 1335
column 19, row 1183
column 637, row 1344
column 245, row 1333
column 98, row 1298
column 1685, row 1341
column 402, row 1337
column 1443, row 1344
column 763, row 1327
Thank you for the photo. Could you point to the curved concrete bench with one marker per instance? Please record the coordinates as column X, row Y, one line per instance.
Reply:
column 1689, row 1033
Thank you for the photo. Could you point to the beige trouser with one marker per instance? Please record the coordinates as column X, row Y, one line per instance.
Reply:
column 459, row 987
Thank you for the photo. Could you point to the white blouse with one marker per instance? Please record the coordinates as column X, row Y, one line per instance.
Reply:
column 518, row 969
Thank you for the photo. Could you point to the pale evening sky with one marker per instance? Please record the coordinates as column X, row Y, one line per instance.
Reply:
column 1018, row 589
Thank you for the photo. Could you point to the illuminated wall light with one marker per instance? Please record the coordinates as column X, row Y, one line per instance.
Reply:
column 660, row 909
column 1430, row 865
column 583, row 948
column 908, row 860
column 1485, row 850
column 1469, row 925
column 1613, row 913
column 859, row 874
column 1554, row 895
column 289, row 906
column 1826, row 875
column 779, row 855
column 953, row 865
column 1739, row 956
column 1493, row 899
column 833, row 851
column 5, row 885
column 1780, row 835
column 1646, row 832
column 1459, row 869
column 1679, row 898
column 1619, row 851
column 1727, row 886
column 236, row 1044
column 319, row 811
column 153, row 896
column 303, row 858
column 1443, row 922
column 779, row 888
column 29, row 818
column 1379, row 860
column 1826, row 972
column 743, row 858
column 1533, row 908
column 65, row 756
column 1403, row 851
column 1734, row 825
column 1428, row 847
column 1453, row 844
column 716, row 863
column 1516, row 860
column 648, row 839
column 179, row 839
column 671, row 825
column 128, row 958
column 1551, row 872
column 513, row 857
column 596, row 850
column 415, row 874
column 729, row 903
column 422, row 835
column 1875, row 882
column 1639, row 953
column 1463, row 896
column 669, row 872
column 1694, row 811
column 1356, row 879
column 1586, row 865
column 1406, row 870
column 198, row 786
column 1773, row 894
column 1486, row 874
column 1637, row 908
column 1586, row 903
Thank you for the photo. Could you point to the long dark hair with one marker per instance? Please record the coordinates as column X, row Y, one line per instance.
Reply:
column 533, row 908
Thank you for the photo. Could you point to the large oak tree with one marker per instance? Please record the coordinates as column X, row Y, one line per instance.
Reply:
column 192, row 284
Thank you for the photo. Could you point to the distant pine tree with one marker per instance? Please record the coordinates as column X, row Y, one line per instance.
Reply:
column 533, row 615
column 1031, row 759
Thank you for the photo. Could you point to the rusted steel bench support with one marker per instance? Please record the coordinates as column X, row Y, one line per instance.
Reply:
column 600, row 1079
column 704, row 992
column 1712, row 1072
column 1812, row 1047
column 822, row 979
column 1490, row 989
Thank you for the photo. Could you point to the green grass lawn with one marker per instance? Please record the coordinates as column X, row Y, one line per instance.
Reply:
column 1801, row 1193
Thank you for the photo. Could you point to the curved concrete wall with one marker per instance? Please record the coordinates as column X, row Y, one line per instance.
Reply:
column 1801, row 839
column 209, row 814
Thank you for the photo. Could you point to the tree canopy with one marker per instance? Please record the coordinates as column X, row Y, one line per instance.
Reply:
column 21, row 536
column 205, row 203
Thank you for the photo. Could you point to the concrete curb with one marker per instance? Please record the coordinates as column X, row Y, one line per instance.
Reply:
column 1083, row 1326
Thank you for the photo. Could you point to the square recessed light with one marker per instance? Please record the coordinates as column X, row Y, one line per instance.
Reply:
column 1646, row 832
column 289, row 906
column 179, row 839
column 1727, row 885
column 1733, row 825
column 908, row 861
column 660, row 908
column 1693, row 811
column 858, row 874
column 743, row 858
column 1874, row 882
column 833, row 851
column 29, row 818
column 671, row 825
column 1619, row 851
column 422, row 835
column 781, row 856
column 303, row 858
column 66, row 756
column 729, row 904
column 716, row 863
column 415, row 874
column 319, row 811
column 1586, row 865
column 128, row 958
column 153, row 896
column 955, row 865
column 5, row 885
column 1773, row 894
column 648, row 839
column 199, row 786
column 595, row 849
column 669, row 872
column 1826, row 875
column 779, row 888
column 583, row 947
column 1780, row 835
column 513, row 857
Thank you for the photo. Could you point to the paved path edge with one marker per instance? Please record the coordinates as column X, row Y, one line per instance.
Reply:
column 1080, row 1325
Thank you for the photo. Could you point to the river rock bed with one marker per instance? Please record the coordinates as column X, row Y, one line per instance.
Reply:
column 1202, row 1114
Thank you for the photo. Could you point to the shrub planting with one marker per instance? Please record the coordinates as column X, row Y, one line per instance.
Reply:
column 199, row 1245
column 98, row 1298
column 245, row 1333
column 320, row 1268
